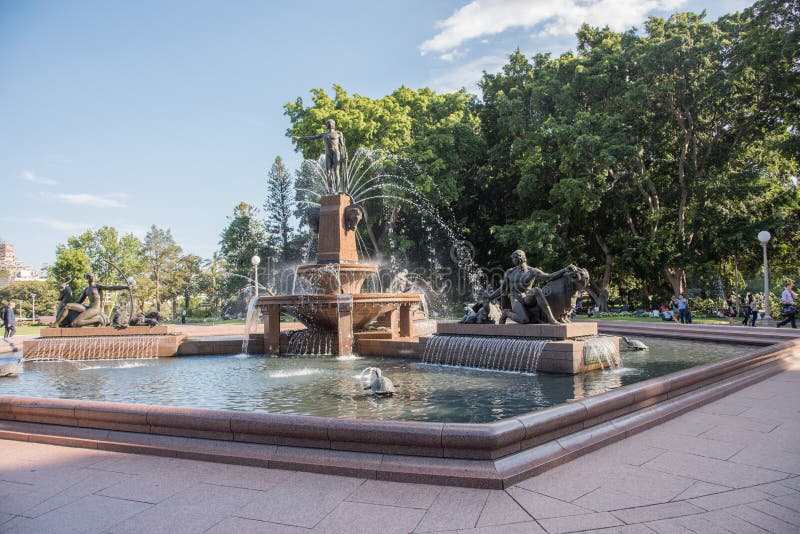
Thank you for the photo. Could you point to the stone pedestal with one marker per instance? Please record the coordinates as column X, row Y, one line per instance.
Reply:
column 406, row 326
column 336, row 243
column 272, row 329
column 344, row 330
column 546, row 331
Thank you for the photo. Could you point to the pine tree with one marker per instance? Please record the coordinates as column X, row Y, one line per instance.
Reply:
column 279, row 206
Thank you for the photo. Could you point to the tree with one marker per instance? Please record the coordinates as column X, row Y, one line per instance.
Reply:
column 279, row 206
column 212, row 279
column 104, row 245
column 70, row 266
column 185, row 280
column 244, row 237
column 434, row 140
column 160, row 255
column 26, row 293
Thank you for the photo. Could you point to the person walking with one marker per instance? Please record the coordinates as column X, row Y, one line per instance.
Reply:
column 749, row 310
column 730, row 313
column 683, row 310
column 789, row 309
column 9, row 321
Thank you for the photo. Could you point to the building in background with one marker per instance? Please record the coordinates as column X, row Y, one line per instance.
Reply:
column 13, row 270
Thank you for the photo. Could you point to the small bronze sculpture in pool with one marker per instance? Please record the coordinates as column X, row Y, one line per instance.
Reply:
column 633, row 344
column 380, row 385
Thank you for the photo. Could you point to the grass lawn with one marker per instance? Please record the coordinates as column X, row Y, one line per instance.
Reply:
column 24, row 329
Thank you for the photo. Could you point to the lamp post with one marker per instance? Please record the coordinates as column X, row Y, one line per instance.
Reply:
column 255, row 260
column 764, row 237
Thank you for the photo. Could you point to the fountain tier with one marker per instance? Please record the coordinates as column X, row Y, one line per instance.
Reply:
column 334, row 303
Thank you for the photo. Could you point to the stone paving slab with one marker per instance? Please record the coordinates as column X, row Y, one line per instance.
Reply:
column 731, row 466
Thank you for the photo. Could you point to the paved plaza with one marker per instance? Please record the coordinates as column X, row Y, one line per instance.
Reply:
column 730, row 466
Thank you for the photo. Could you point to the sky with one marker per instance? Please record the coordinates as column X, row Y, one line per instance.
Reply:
column 171, row 112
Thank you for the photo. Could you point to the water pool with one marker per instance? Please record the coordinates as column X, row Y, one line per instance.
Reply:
column 331, row 387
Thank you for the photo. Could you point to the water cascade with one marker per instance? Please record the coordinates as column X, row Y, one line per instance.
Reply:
column 252, row 317
column 603, row 351
column 311, row 342
column 93, row 348
column 519, row 354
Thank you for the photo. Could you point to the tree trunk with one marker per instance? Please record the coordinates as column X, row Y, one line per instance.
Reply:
column 676, row 277
column 158, row 295
column 599, row 296
column 174, row 307
column 598, row 289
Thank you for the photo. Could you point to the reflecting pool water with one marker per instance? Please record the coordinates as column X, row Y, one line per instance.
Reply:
column 331, row 387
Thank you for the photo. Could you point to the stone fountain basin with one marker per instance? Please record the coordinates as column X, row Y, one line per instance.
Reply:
column 336, row 277
column 322, row 311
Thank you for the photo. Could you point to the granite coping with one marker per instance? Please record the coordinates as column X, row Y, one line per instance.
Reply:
column 552, row 331
column 496, row 473
column 465, row 441
column 92, row 331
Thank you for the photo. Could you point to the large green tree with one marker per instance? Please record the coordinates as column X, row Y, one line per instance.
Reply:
column 434, row 142
column 36, row 295
column 279, row 207
column 648, row 155
column 160, row 255
column 185, row 280
column 244, row 237
column 101, row 252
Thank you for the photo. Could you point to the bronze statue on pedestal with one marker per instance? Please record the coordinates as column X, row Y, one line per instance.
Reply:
column 524, row 303
column 335, row 156
column 91, row 315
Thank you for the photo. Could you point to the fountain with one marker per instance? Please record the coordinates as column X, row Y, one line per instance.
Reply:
column 334, row 311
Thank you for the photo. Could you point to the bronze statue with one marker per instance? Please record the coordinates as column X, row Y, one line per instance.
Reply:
column 335, row 156
column 64, row 298
column 352, row 215
column 525, row 303
column 91, row 315
column 482, row 312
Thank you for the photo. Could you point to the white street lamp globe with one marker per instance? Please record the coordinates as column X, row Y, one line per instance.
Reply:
column 764, row 236
column 255, row 260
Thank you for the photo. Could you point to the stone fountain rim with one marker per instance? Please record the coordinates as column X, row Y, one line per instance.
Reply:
column 489, row 455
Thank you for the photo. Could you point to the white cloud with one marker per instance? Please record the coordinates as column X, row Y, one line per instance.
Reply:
column 481, row 18
column 93, row 201
column 29, row 176
column 467, row 75
column 61, row 225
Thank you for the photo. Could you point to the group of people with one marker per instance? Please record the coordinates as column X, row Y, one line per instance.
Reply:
column 9, row 321
column 677, row 309
column 750, row 309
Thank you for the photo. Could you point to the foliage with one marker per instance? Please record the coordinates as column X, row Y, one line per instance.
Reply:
column 650, row 156
column 435, row 136
column 244, row 237
column 160, row 255
column 185, row 279
column 279, row 207
column 24, row 294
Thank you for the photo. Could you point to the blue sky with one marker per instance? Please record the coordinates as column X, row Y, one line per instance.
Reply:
column 170, row 113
